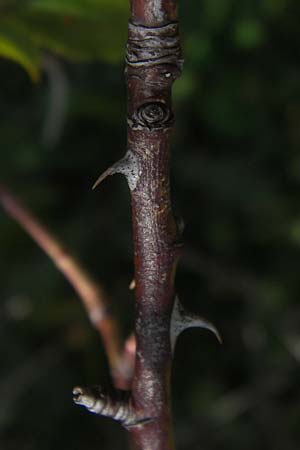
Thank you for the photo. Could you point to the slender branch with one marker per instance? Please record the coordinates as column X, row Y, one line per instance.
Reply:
column 93, row 297
column 153, row 63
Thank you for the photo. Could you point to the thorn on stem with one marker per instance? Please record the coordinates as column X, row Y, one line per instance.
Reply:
column 132, row 285
column 128, row 166
column 110, row 171
column 182, row 319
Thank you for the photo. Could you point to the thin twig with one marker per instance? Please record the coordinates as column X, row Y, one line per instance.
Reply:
column 92, row 295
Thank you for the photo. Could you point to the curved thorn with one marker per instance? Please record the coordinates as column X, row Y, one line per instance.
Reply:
column 181, row 320
column 128, row 166
column 201, row 322
column 110, row 171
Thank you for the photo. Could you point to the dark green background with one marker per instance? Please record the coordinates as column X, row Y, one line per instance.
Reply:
column 236, row 182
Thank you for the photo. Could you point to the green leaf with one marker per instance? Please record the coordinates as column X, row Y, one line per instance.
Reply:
column 98, row 35
column 81, row 30
column 19, row 49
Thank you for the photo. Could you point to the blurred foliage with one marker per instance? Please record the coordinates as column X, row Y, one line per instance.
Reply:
column 75, row 29
column 236, row 180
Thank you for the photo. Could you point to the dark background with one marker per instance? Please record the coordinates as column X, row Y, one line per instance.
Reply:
column 235, row 180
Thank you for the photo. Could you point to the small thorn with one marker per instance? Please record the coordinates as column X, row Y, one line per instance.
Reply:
column 204, row 323
column 128, row 166
column 132, row 285
column 181, row 320
column 110, row 171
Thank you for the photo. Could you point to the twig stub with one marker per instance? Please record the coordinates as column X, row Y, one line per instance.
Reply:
column 115, row 404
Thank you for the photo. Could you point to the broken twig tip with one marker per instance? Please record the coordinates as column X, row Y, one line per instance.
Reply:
column 115, row 404
column 77, row 391
column 83, row 397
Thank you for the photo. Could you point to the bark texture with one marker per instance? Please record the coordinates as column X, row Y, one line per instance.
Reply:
column 153, row 63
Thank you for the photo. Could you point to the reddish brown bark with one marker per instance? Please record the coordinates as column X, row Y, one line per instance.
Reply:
column 151, row 70
column 152, row 13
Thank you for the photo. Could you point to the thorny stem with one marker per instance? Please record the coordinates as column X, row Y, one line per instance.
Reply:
column 153, row 63
column 93, row 297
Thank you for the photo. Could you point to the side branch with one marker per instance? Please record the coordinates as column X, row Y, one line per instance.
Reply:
column 92, row 295
column 116, row 404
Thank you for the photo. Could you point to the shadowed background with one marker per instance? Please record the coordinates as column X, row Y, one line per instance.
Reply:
column 235, row 178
